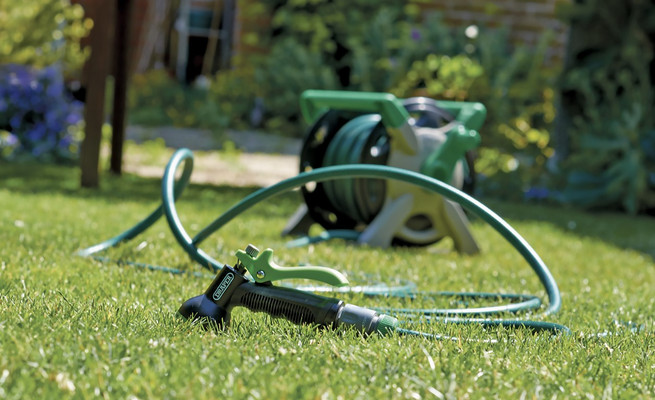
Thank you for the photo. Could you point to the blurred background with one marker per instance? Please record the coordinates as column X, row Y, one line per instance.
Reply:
column 568, row 84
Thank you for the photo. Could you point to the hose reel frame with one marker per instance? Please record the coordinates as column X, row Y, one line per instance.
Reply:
column 349, row 204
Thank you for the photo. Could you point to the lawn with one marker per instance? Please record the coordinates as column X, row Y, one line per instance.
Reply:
column 76, row 327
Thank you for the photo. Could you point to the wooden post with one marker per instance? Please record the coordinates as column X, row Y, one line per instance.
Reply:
column 121, row 76
column 97, row 69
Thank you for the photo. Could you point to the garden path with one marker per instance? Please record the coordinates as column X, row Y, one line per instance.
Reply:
column 260, row 159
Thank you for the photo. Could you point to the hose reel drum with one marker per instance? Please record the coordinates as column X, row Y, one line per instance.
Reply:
column 419, row 134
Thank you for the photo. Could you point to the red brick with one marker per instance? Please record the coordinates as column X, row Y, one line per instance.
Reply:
column 527, row 19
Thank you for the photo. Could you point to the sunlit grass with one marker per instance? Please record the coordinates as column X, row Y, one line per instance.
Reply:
column 74, row 327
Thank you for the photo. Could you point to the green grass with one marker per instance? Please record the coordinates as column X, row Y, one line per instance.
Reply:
column 74, row 327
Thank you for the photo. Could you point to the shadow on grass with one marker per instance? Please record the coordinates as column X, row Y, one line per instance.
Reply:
column 29, row 178
column 634, row 232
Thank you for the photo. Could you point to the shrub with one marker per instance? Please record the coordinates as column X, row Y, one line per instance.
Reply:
column 40, row 43
column 520, row 98
column 43, row 32
column 235, row 92
column 608, row 90
column 441, row 77
column 38, row 119
column 355, row 45
column 388, row 47
column 518, row 92
column 289, row 70
column 156, row 99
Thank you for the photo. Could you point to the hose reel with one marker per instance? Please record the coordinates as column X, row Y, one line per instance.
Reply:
column 418, row 134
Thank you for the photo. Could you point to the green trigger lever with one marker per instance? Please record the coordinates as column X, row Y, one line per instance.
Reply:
column 263, row 269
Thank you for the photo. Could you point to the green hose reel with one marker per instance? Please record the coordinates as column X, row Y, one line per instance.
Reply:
column 419, row 134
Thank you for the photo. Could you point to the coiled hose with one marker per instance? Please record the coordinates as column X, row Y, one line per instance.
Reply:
column 171, row 190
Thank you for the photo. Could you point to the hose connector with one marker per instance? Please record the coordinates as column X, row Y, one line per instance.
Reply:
column 366, row 320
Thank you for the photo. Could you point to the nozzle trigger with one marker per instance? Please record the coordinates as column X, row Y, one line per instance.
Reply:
column 263, row 269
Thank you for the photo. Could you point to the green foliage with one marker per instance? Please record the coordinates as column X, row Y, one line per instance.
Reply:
column 38, row 119
column 379, row 54
column 156, row 99
column 388, row 45
column 289, row 70
column 520, row 99
column 361, row 45
column 76, row 328
column 234, row 92
column 518, row 92
column 516, row 88
column 42, row 32
column 441, row 77
column 610, row 90
column 324, row 26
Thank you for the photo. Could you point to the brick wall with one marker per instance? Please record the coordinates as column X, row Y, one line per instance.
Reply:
column 247, row 26
column 527, row 20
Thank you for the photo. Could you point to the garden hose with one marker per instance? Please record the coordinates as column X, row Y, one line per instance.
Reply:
column 359, row 199
column 479, row 315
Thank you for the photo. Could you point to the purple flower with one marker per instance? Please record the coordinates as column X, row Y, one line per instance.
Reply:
column 65, row 142
column 21, row 77
column 54, row 89
column 37, row 111
column 536, row 193
column 37, row 132
column 16, row 121
column 415, row 34
column 73, row 118
column 11, row 140
column 51, row 74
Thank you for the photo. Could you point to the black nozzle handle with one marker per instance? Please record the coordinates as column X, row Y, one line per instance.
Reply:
column 214, row 306
column 291, row 304
column 307, row 308
column 232, row 289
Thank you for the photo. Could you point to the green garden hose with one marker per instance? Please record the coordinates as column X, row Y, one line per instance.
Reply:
column 480, row 315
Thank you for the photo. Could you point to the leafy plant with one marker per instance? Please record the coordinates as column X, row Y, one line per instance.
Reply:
column 442, row 77
column 157, row 99
column 521, row 100
column 388, row 46
column 391, row 42
column 43, row 32
column 235, row 93
column 38, row 119
column 289, row 70
column 354, row 45
column 40, row 43
column 517, row 90
column 324, row 26
column 609, row 89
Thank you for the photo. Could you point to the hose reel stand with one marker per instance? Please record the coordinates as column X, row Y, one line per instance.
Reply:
column 419, row 134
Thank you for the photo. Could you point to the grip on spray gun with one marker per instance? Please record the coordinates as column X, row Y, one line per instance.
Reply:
column 231, row 288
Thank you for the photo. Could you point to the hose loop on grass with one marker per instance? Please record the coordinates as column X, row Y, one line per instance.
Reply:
column 172, row 189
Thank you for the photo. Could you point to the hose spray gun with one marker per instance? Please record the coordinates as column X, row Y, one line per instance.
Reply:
column 231, row 288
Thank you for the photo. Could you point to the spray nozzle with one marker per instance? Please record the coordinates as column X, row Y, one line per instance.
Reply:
column 263, row 269
column 231, row 288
